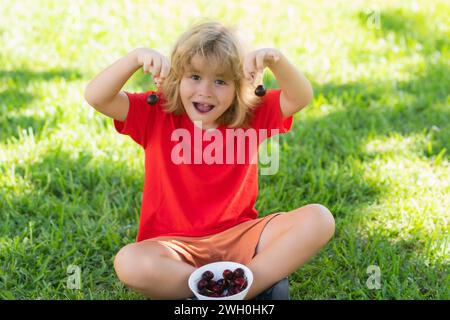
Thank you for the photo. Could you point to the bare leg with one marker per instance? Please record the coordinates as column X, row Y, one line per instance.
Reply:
column 153, row 270
column 287, row 242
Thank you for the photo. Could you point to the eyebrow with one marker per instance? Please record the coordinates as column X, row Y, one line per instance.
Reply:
column 220, row 75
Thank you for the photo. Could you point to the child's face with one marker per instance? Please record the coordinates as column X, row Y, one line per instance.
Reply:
column 205, row 95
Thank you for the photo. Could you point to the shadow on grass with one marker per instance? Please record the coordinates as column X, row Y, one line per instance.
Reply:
column 349, row 265
column 366, row 111
column 412, row 107
column 328, row 150
column 73, row 211
column 425, row 107
column 17, row 97
column 408, row 27
column 83, row 212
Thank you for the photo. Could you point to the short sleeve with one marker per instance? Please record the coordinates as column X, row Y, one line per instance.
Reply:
column 139, row 119
column 268, row 115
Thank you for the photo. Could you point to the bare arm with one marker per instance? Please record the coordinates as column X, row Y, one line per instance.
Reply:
column 104, row 92
column 296, row 90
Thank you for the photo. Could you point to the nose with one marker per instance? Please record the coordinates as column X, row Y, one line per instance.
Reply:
column 205, row 89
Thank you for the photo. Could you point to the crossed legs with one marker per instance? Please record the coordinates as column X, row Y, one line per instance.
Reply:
column 287, row 242
column 153, row 270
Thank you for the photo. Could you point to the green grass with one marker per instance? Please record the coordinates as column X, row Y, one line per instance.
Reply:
column 373, row 146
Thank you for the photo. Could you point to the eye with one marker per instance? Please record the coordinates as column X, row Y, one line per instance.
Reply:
column 195, row 77
column 221, row 82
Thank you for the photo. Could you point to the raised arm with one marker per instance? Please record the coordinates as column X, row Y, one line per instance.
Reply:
column 104, row 92
column 296, row 90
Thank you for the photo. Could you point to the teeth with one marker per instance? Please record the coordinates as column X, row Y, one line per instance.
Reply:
column 203, row 107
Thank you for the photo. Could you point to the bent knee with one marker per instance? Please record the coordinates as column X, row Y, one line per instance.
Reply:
column 123, row 263
column 129, row 264
column 322, row 219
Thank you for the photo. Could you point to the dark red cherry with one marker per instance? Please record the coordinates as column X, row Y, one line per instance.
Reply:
column 238, row 273
column 217, row 288
column 207, row 275
column 221, row 282
column 240, row 283
column 216, row 295
column 206, row 292
column 211, row 283
column 260, row 91
column 227, row 274
column 233, row 290
column 202, row 284
column 152, row 99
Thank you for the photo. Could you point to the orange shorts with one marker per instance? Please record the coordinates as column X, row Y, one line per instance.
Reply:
column 236, row 244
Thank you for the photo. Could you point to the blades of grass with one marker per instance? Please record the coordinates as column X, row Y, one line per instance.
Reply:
column 438, row 158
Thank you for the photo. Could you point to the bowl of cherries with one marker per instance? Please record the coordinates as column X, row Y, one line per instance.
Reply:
column 224, row 280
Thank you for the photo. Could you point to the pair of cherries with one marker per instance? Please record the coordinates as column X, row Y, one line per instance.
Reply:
column 152, row 99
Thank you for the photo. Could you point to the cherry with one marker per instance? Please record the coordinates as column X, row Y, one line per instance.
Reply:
column 211, row 283
column 227, row 274
column 202, row 284
column 233, row 290
column 238, row 273
column 217, row 288
column 206, row 292
column 240, row 283
column 152, row 99
column 260, row 91
column 207, row 275
column 222, row 282
column 232, row 283
column 216, row 295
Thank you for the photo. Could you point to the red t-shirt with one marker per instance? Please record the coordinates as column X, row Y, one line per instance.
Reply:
column 196, row 198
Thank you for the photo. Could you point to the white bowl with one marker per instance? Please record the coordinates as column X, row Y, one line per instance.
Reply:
column 217, row 268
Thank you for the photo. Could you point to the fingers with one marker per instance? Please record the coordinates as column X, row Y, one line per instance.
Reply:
column 250, row 69
column 275, row 57
column 147, row 64
column 158, row 66
column 156, row 70
column 259, row 61
column 164, row 72
column 256, row 61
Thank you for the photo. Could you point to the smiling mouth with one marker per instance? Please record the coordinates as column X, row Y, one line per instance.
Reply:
column 202, row 107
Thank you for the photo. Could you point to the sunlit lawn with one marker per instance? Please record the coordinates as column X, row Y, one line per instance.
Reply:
column 373, row 146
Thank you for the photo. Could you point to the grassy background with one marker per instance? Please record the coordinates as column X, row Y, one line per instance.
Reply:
column 373, row 146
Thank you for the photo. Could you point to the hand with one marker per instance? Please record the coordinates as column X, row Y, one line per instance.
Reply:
column 153, row 62
column 256, row 61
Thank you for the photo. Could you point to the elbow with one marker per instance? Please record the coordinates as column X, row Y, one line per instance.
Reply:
column 308, row 96
column 89, row 97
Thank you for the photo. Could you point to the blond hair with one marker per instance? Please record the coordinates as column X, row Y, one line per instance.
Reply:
column 221, row 47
